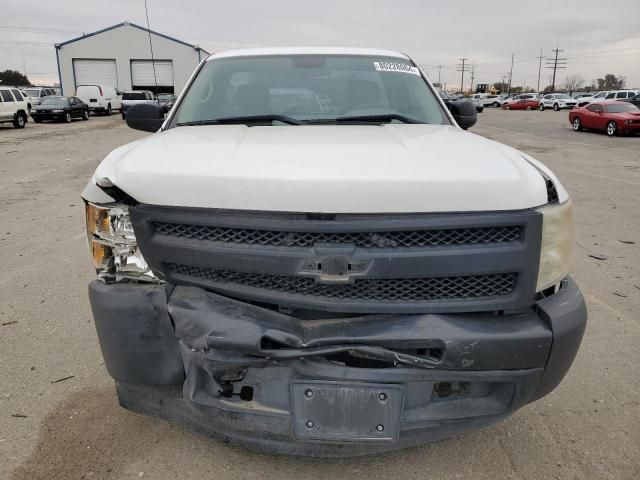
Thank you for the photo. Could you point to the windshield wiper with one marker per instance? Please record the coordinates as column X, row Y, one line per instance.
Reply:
column 242, row 120
column 382, row 117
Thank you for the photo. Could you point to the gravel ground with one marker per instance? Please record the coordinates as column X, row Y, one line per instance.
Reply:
column 58, row 412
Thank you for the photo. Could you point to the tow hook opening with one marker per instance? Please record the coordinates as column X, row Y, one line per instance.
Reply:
column 245, row 393
column 447, row 389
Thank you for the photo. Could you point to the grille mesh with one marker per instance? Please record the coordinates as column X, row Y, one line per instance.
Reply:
column 417, row 238
column 396, row 289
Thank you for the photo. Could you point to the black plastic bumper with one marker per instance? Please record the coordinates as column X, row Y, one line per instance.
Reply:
column 226, row 368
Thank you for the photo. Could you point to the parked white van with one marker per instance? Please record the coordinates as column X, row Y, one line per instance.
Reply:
column 100, row 98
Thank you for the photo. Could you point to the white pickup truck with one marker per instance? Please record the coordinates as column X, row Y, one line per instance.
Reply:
column 328, row 278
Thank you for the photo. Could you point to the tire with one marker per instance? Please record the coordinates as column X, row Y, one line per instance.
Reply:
column 108, row 113
column 577, row 124
column 556, row 107
column 612, row 129
column 85, row 115
column 507, row 107
column 528, row 107
column 124, row 117
column 541, row 107
column 20, row 120
column 67, row 118
column 495, row 104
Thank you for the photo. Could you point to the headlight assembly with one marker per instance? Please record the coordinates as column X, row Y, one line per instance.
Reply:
column 557, row 242
column 113, row 244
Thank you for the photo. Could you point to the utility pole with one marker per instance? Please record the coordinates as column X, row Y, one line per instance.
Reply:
column 462, row 67
column 511, row 74
column 539, row 68
column 439, row 67
column 556, row 63
column 473, row 72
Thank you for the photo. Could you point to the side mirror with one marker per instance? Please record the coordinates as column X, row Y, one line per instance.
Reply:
column 464, row 112
column 145, row 116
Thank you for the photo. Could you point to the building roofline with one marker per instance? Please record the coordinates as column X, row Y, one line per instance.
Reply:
column 123, row 24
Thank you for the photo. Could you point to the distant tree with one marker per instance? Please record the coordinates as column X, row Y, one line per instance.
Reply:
column 592, row 86
column 14, row 79
column 548, row 89
column 611, row 82
column 573, row 83
column 501, row 86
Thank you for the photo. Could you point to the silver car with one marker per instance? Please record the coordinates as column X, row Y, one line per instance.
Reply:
column 135, row 97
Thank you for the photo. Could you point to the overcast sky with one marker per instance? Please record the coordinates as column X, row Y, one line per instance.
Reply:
column 597, row 37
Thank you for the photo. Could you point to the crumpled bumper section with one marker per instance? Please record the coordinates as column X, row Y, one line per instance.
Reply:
column 339, row 387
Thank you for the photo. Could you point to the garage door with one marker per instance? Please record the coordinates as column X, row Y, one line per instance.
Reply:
column 95, row 72
column 142, row 73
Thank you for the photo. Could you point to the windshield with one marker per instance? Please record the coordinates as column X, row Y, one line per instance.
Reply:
column 309, row 89
column 55, row 101
column 32, row 92
column 562, row 95
column 164, row 97
column 133, row 96
column 622, row 108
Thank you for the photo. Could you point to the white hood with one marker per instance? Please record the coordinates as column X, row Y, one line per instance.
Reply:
column 391, row 168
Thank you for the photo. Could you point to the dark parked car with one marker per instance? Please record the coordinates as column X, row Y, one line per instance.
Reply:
column 60, row 108
column 166, row 101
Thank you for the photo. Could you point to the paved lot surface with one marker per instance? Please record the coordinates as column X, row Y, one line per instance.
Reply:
column 72, row 429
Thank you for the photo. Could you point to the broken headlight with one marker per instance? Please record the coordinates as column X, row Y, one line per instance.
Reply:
column 557, row 240
column 113, row 244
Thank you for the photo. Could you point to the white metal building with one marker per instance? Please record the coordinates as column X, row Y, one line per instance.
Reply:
column 120, row 56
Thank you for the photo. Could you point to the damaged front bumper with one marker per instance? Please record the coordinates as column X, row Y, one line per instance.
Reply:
column 338, row 387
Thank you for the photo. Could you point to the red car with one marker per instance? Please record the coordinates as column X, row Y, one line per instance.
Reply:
column 524, row 104
column 612, row 117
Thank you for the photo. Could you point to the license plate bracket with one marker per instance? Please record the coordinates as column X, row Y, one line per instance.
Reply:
column 346, row 412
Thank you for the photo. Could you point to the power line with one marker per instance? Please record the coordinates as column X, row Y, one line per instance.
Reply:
column 13, row 42
column 17, row 28
column 462, row 67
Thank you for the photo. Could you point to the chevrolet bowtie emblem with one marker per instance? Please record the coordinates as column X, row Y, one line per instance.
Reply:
column 335, row 269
